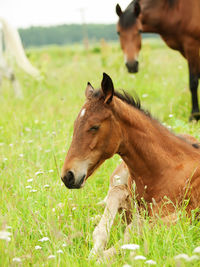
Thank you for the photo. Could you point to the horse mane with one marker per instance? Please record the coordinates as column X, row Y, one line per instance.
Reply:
column 171, row 2
column 128, row 18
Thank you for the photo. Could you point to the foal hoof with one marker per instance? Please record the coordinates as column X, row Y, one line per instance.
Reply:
column 195, row 116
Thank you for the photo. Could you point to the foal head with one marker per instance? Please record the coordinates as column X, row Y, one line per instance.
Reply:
column 96, row 136
column 129, row 29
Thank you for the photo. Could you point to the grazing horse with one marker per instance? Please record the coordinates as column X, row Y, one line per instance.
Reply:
column 176, row 21
column 160, row 165
column 14, row 48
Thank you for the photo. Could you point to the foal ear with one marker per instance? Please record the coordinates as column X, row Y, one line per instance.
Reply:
column 118, row 10
column 89, row 90
column 107, row 88
column 137, row 9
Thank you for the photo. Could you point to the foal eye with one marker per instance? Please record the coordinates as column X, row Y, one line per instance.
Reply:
column 118, row 33
column 94, row 128
column 140, row 31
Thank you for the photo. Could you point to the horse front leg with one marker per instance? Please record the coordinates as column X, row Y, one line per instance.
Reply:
column 118, row 198
column 193, row 78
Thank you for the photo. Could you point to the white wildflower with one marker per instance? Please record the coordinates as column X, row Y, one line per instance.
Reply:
column 43, row 239
column 140, row 257
column 33, row 191
column 60, row 251
column 16, row 259
column 145, row 95
column 30, row 141
column 11, row 145
column 5, row 159
column 38, row 247
column 46, row 186
column 30, row 180
column 53, row 209
column 182, row 256
column 8, row 227
column 64, row 245
column 126, row 265
column 5, row 235
column 60, row 205
column 28, row 186
column 51, row 257
column 150, row 262
column 171, row 115
column 196, row 250
column 193, row 257
column 51, row 171
column 27, row 129
column 21, row 155
column 73, row 208
column 39, row 172
column 130, row 246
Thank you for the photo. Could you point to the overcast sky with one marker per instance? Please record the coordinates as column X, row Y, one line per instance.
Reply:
column 25, row 13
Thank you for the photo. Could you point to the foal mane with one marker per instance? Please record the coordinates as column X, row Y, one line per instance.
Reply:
column 133, row 101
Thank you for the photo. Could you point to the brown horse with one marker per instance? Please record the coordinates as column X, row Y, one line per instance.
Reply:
column 161, row 164
column 176, row 21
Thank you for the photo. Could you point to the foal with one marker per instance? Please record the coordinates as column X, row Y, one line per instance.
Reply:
column 159, row 163
column 176, row 21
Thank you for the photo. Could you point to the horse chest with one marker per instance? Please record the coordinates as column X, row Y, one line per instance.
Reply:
column 173, row 42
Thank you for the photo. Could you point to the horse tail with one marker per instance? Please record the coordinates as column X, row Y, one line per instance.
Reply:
column 13, row 44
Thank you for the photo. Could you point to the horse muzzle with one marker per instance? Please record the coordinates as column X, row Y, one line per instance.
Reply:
column 132, row 66
column 70, row 181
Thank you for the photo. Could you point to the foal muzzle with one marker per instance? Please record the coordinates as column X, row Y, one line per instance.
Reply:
column 69, row 180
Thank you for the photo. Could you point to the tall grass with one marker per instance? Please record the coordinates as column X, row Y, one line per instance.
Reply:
column 35, row 133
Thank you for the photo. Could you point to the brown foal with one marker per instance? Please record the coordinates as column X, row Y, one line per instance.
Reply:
column 162, row 166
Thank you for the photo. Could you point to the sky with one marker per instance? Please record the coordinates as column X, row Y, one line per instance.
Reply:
column 25, row 13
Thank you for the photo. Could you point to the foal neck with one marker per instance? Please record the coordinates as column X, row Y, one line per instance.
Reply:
column 147, row 147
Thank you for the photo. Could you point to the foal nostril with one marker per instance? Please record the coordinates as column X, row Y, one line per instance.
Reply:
column 69, row 179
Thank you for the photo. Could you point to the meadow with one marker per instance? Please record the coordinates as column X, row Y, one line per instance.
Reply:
column 50, row 225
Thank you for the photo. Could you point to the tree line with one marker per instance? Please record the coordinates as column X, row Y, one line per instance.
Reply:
column 67, row 34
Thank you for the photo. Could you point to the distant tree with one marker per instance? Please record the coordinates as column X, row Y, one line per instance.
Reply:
column 67, row 34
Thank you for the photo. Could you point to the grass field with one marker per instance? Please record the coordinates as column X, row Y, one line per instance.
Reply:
column 35, row 133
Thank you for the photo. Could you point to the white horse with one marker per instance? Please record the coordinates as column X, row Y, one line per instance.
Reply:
column 14, row 48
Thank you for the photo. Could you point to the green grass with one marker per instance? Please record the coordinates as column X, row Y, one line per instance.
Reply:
column 35, row 133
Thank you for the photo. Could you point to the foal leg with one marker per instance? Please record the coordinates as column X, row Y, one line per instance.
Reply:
column 118, row 177
column 118, row 197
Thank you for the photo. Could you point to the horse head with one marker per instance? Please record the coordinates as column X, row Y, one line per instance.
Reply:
column 129, row 29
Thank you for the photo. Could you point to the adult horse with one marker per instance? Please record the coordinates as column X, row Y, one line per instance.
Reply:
column 9, row 36
column 177, row 22
column 162, row 165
